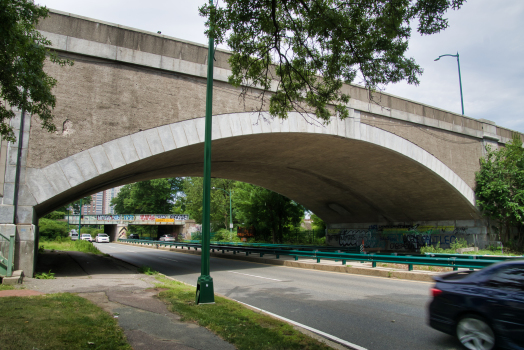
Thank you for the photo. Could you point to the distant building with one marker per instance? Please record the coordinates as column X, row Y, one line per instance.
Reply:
column 101, row 202
column 110, row 194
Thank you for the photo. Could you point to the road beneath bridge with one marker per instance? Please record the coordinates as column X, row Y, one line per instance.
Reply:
column 371, row 312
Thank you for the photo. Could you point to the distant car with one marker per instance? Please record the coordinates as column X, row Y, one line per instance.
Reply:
column 102, row 238
column 484, row 309
column 167, row 238
column 86, row 237
column 133, row 236
column 74, row 236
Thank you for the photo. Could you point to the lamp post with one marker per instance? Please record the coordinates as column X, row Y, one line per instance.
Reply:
column 460, row 80
column 205, row 291
column 80, row 218
column 230, row 211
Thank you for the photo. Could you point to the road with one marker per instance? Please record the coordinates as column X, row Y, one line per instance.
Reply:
column 372, row 312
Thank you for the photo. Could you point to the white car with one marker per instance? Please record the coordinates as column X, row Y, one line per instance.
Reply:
column 102, row 238
column 74, row 236
column 167, row 238
column 86, row 237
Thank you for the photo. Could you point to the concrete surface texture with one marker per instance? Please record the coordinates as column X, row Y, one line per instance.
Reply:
column 131, row 108
column 127, row 295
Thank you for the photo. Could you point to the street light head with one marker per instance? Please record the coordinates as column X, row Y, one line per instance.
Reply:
column 436, row 59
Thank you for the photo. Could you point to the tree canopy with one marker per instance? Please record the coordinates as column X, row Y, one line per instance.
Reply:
column 500, row 188
column 192, row 202
column 291, row 43
column 148, row 197
column 271, row 214
column 23, row 82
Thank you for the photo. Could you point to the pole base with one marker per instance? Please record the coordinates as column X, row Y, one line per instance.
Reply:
column 205, row 293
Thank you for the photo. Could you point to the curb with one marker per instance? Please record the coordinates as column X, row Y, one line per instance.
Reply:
column 421, row 276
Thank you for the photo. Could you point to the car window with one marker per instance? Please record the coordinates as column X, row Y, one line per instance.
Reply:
column 511, row 278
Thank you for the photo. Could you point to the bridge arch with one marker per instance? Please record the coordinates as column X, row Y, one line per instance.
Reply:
column 346, row 172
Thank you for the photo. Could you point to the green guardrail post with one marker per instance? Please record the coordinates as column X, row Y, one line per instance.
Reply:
column 374, row 264
column 410, row 267
column 343, row 262
column 318, row 260
column 11, row 256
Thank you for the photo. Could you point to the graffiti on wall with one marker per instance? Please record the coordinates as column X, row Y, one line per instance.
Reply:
column 396, row 237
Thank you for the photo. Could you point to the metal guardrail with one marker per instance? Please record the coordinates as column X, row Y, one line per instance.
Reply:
column 455, row 262
column 7, row 247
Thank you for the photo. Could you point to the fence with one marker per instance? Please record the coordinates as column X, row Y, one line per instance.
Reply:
column 7, row 249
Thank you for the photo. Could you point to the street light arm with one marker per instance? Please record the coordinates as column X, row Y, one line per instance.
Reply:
column 436, row 59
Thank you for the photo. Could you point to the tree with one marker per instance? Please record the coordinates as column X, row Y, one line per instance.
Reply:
column 269, row 212
column 500, row 188
column 148, row 197
column 193, row 189
column 317, row 223
column 294, row 42
column 23, row 51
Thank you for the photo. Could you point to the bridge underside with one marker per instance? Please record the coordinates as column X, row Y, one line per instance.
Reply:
column 341, row 180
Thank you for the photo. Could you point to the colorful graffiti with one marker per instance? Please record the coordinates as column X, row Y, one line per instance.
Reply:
column 130, row 217
column 395, row 237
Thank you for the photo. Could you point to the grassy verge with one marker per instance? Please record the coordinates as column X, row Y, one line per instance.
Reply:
column 57, row 321
column 233, row 322
column 6, row 287
column 77, row 246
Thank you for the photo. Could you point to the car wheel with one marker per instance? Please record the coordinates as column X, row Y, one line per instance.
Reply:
column 475, row 333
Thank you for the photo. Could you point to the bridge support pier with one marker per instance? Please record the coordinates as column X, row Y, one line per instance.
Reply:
column 115, row 231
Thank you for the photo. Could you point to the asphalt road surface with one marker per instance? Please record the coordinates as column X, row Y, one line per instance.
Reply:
column 372, row 312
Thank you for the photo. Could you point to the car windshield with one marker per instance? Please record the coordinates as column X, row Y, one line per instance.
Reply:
column 102, row 235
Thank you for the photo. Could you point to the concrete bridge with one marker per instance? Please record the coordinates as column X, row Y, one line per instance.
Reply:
column 116, row 226
column 131, row 108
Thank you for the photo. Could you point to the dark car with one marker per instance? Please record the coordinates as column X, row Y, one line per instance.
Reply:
column 483, row 309
column 133, row 236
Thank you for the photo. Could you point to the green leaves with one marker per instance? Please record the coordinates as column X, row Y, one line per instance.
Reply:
column 148, row 197
column 303, row 51
column 500, row 184
column 23, row 82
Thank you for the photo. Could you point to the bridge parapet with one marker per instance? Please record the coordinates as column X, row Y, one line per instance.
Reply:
column 129, row 219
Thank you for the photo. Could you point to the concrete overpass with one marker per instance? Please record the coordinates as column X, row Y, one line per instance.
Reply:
column 116, row 226
column 131, row 108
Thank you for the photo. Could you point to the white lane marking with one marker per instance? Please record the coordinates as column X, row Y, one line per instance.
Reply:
column 325, row 335
column 167, row 259
column 266, row 278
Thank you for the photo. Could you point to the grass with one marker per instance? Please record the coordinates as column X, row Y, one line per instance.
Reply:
column 45, row 275
column 6, row 287
column 233, row 322
column 147, row 270
column 57, row 321
column 77, row 246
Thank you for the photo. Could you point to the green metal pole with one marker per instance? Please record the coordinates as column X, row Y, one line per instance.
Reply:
column 80, row 218
column 230, row 215
column 460, row 79
column 460, row 82
column 205, row 291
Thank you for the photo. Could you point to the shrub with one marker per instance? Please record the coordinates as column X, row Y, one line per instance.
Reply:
column 55, row 215
column 52, row 229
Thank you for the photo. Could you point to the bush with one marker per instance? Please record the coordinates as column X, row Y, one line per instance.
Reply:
column 51, row 229
column 459, row 243
column 432, row 249
column 56, row 215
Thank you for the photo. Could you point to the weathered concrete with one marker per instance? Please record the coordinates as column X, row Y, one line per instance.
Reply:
column 131, row 108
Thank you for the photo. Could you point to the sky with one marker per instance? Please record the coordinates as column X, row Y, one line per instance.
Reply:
column 487, row 34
